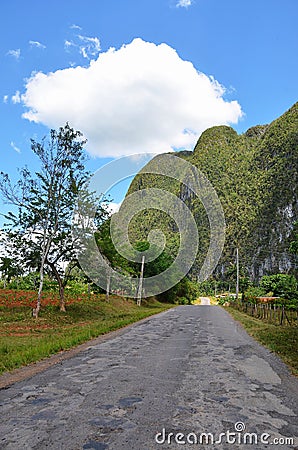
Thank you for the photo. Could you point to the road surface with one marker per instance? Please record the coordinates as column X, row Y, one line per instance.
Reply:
column 190, row 370
column 205, row 301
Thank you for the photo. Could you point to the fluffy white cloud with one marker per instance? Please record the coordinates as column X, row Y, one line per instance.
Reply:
column 5, row 98
column 138, row 99
column 184, row 3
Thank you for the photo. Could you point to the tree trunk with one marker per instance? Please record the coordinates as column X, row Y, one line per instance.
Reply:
column 61, row 286
column 62, row 299
column 35, row 310
column 45, row 250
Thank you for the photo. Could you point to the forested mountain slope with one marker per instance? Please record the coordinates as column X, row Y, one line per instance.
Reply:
column 255, row 176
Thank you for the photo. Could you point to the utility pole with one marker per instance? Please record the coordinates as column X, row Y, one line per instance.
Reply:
column 140, row 286
column 108, row 283
column 237, row 273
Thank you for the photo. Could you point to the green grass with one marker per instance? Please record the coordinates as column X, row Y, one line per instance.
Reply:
column 283, row 340
column 24, row 340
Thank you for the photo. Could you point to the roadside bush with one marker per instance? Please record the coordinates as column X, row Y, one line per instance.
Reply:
column 251, row 294
column 221, row 301
column 76, row 287
column 182, row 301
column 282, row 285
column 30, row 282
column 185, row 291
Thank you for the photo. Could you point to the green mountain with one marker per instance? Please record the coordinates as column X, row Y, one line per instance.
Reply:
column 255, row 177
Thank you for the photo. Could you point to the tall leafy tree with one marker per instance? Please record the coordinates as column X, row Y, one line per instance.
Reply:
column 46, row 202
column 8, row 269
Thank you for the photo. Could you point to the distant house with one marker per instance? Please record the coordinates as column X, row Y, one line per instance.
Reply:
column 267, row 299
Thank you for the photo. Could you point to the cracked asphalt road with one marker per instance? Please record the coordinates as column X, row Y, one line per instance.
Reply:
column 191, row 369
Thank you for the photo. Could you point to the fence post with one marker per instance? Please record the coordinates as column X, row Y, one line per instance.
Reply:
column 289, row 322
column 270, row 312
column 282, row 314
column 274, row 313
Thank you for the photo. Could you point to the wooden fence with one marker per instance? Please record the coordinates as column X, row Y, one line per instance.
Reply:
column 271, row 313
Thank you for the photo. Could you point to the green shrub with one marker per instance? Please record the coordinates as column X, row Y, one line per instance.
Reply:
column 185, row 289
column 251, row 294
column 281, row 285
column 76, row 287
column 182, row 301
column 30, row 282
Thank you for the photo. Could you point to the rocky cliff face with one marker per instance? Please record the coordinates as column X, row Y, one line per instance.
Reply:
column 276, row 165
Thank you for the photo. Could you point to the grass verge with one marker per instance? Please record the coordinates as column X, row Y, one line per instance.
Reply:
column 24, row 340
column 282, row 340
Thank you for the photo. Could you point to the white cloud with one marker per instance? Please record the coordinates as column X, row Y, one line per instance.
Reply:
column 141, row 98
column 5, row 98
column 184, row 3
column 90, row 47
column 12, row 144
column 68, row 44
column 15, row 53
column 16, row 98
column 75, row 27
column 37, row 44
column 113, row 207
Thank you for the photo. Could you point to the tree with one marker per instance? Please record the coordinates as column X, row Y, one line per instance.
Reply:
column 231, row 276
column 8, row 269
column 108, row 250
column 46, row 202
column 280, row 284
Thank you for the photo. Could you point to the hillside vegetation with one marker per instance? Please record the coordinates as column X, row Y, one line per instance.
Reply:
column 255, row 176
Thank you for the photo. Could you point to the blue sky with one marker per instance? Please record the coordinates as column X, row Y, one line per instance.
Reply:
column 176, row 67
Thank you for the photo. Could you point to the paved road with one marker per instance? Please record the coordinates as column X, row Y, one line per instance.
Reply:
column 205, row 300
column 190, row 370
